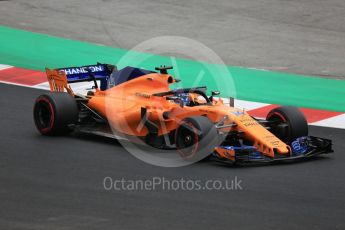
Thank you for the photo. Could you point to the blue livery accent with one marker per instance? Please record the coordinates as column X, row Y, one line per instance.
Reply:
column 102, row 72
column 184, row 97
column 126, row 74
column 300, row 146
column 244, row 147
column 253, row 153
column 79, row 74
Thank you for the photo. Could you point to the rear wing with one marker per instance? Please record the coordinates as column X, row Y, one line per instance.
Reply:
column 60, row 78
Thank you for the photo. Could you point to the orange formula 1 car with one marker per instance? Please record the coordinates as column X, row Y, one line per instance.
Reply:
column 134, row 102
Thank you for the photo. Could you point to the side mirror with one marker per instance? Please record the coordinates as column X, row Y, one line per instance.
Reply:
column 214, row 93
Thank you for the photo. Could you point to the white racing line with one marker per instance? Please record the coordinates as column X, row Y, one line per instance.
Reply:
column 2, row 67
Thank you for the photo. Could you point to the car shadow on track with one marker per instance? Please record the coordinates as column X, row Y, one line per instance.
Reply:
column 209, row 161
column 95, row 138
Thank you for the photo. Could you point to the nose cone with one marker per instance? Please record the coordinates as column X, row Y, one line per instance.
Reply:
column 263, row 139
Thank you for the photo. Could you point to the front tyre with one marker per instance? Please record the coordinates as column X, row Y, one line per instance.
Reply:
column 55, row 113
column 287, row 123
column 196, row 138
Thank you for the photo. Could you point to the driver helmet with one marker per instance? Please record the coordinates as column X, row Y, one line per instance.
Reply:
column 184, row 97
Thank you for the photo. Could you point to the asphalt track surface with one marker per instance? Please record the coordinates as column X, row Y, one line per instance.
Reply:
column 299, row 36
column 57, row 183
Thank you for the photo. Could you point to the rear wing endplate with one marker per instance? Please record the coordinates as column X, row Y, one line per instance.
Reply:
column 60, row 78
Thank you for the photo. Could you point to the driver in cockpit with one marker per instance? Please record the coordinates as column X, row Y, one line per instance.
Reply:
column 191, row 99
column 196, row 99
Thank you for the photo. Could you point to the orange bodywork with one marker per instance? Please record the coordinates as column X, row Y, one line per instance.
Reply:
column 121, row 105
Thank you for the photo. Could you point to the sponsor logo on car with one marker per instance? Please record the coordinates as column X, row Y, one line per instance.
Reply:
column 79, row 70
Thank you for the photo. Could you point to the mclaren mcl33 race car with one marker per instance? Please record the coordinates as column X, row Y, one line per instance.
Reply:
column 134, row 102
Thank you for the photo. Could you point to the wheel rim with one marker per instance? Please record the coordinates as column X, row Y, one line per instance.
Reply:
column 187, row 140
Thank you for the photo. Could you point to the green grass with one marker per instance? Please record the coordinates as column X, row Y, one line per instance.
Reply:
column 36, row 51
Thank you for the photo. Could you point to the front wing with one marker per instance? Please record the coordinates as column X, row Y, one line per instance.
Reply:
column 302, row 148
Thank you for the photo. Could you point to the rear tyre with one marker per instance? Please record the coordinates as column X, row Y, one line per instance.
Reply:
column 196, row 138
column 55, row 113
column 288, row 123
